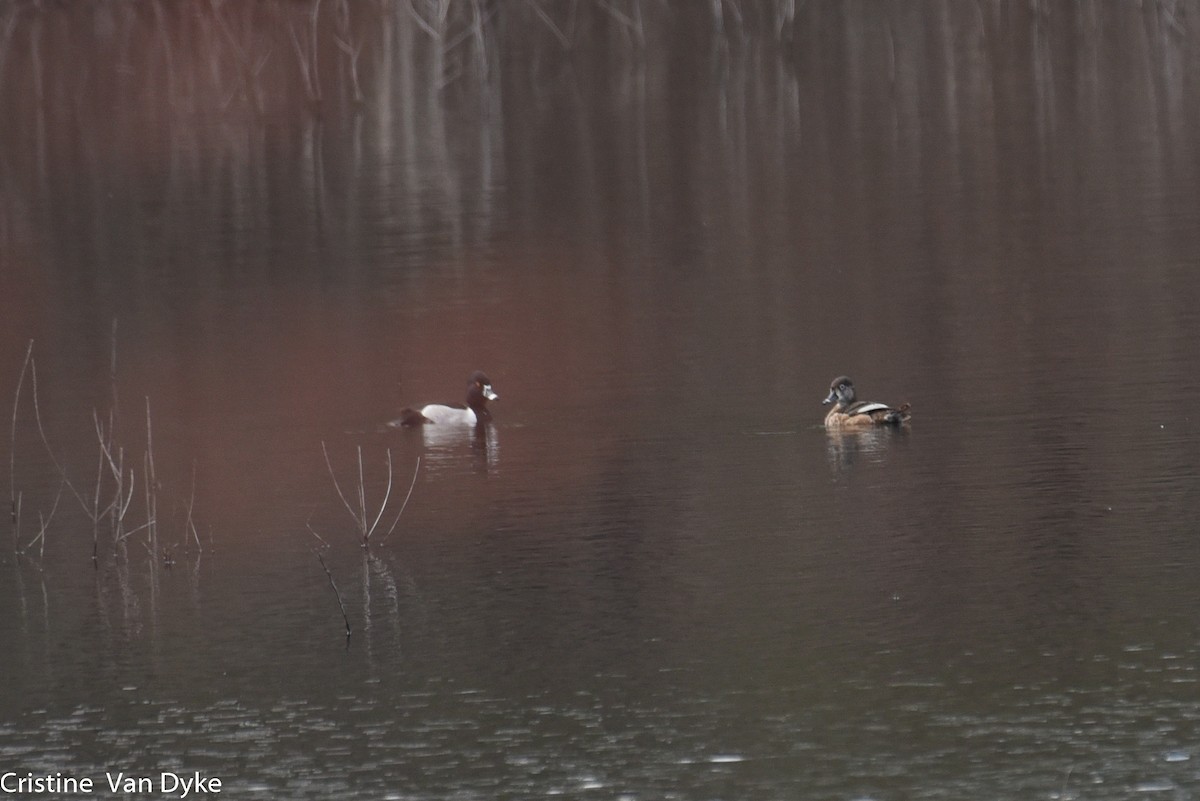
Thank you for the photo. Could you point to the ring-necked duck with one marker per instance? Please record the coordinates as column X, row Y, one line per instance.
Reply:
column 846, row 412
column 479, row 392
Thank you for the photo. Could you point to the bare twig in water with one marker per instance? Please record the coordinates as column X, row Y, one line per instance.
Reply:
column 313, row 531
column 151, row 486
column 37, row 416
column 95, row 513
column 404, row 505
column 336, row 485
column 12, row 456
column 30, row 365
column 110, row 462
column 367, row 524
column 386, row 496
column 190, row 523
column 362, row 492
column 43, row 524
column 17, row 520
column 116, row 466
column 336, row 593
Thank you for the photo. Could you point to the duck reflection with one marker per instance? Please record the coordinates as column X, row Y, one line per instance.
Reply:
column 485, row 445
column 448, row 445
column 848, row 446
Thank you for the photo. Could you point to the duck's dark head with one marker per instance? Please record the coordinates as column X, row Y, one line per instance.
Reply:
column 841, row 391
column 479, row 392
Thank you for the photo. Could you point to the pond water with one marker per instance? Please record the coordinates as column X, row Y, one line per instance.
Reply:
column 261, row 230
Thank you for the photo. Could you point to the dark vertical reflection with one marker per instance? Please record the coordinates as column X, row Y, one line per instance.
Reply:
column 920, row 169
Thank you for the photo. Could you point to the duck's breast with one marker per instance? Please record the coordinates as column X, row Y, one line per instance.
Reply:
column 438, row 413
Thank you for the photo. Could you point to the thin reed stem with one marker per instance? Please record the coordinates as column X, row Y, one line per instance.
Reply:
column 37, row 416
column 366, row 523
column 336, row 485
column 313, row 531
column 403, row 506
column 12, row 456
column 337, row 594
column 387, row 494
column 362, row 498
column 151, row 484
column 190, row 523
column 95, row 513
column 43, row 524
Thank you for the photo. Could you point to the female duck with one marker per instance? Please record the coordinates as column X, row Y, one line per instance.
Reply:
column 846, row 413
column 479, row 392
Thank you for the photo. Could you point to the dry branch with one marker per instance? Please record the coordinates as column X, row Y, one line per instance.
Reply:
column 12, row 457
column 336, row 593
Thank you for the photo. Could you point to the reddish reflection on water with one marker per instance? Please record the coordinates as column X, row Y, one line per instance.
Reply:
column 661, row 242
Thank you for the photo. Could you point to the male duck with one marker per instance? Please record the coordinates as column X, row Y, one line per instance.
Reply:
column 846, row 413
column 479, row 392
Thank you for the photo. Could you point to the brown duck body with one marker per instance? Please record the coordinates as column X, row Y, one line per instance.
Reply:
column 847, row 412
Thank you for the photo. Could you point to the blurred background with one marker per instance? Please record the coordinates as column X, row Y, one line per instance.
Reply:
column 233, row 233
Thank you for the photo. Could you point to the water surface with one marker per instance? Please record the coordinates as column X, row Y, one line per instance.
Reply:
column 655, row 575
